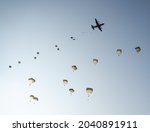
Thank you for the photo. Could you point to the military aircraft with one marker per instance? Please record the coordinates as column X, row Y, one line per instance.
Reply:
column 98, row 25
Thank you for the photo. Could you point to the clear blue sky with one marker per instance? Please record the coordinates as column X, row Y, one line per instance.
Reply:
column 121, row 84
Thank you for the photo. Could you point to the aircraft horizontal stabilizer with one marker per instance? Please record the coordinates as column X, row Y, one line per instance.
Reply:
column 92, row 27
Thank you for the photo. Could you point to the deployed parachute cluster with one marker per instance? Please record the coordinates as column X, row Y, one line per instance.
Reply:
column 95, row 61
column 119, row 51
column 88, row 90
column 33, row 99
column 10, row 66
column 19, row 62
column 35, row 57
column 72, row 38
column 72, row 90
column 56, row 46
column 31, row 81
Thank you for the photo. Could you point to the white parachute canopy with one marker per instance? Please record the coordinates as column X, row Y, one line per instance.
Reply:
column 65, row 81
column 31, row 81
column 89, row 91
column 137, row 49
column 119, row 52
column 71, row 90
column 95, row 61
column 36, row 99
column 74, row 67
column 33, row 99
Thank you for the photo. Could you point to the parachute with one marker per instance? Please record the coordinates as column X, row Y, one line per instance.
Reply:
column 89, row 91
column 71, row 90
column 72, row 38
column 137, row 49
column 56, row 46
column 65, row 81
column 36, row 99
column 119, row 52
column 74, row 67
column 33, row 99
column 31, row 81
column 95, row 61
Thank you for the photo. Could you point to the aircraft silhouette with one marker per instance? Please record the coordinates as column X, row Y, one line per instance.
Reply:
column 98, row 25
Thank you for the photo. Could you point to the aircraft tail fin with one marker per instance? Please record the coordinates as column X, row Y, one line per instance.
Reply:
column 92, row 27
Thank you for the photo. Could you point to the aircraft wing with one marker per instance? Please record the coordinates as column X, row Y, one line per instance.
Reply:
column 97, row 23
column 102, row 24
column 100, row 28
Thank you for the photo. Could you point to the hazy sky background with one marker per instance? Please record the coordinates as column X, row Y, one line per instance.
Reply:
column 121, row 84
